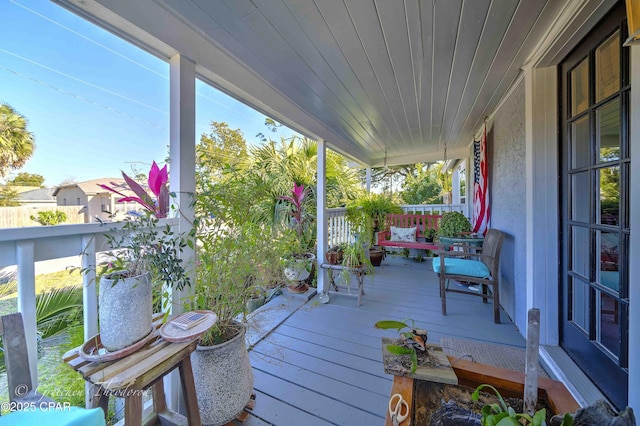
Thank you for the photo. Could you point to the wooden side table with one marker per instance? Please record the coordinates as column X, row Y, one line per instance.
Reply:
column 358, row 272
column 131, row 376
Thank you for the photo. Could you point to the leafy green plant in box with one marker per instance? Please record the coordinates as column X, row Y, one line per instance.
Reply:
column 453, row 224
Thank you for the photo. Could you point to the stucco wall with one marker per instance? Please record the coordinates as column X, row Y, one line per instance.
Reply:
column 506, row 146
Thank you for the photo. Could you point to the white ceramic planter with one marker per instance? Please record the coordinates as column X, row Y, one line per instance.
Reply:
column 125, row 311
column 299, row 269
column 223, row 379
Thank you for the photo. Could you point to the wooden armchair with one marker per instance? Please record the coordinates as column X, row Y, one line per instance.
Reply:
column 481, row 267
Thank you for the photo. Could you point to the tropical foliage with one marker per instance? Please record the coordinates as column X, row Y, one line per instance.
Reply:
column 16, row 141
column 144, row 246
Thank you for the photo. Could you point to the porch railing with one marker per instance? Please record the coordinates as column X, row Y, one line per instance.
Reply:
column 339, row 228
column 23, row 247
column 431, row 208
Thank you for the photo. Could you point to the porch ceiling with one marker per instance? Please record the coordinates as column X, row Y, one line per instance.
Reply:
column 379, row 80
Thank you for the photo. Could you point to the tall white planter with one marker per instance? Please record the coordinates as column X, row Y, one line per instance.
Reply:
column 299, row 269
column 223, row 379
column 125, row 311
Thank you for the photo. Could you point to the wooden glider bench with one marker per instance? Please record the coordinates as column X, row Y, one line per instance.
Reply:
column 421, row 222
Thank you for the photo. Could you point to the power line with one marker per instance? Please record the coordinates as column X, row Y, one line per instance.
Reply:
column 95, row 86
column 82, row 98
column 90, row 40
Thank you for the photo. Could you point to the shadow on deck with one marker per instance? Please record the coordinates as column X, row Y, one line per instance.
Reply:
column 323, row 363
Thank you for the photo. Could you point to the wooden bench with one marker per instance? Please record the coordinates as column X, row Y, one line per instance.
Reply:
column 421, row 222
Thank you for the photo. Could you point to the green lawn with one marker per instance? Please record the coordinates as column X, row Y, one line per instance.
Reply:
column 44, row 283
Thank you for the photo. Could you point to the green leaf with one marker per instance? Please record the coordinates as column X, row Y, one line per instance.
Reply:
column 414, row 361
column 399, row 350
column 386, row 325
column 508, row 421
column 539, row 418
column 567, row 420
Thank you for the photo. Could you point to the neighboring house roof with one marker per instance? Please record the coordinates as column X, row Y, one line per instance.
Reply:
column 90, row 187
column 20, row 189
column 40, row 194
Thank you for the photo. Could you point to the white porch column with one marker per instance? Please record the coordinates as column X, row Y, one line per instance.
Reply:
column 634, row 238
column 455, row 186
column 182, row 151
column 25, row 255
column 321, row 221
column 368, row 180
column 541, row 150
column 182, row 131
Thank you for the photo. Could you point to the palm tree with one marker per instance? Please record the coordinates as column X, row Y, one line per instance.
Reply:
column 16, row 142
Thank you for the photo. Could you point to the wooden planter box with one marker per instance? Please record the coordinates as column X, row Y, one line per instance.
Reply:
column 508, row 382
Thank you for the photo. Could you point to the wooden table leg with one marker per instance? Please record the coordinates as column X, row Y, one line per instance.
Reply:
column 189, row 392
column 159, row 401
column 99, row 398
column 133, row 409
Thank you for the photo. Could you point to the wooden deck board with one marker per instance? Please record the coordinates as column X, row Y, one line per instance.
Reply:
column 349, row 394
column 323, row 364
column 327, row 409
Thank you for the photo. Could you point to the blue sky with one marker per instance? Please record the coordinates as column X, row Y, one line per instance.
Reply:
column 95, row 103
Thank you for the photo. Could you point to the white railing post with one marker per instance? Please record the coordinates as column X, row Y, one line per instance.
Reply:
column 89, row 286
column 89, row 296
column 25, row 256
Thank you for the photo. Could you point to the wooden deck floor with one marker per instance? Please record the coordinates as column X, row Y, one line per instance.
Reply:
column 323, row 364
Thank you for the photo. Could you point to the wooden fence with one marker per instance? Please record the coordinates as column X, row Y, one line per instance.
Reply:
column 20, row 216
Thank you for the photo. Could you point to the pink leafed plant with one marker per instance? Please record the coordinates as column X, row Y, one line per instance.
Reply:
column 157, row 181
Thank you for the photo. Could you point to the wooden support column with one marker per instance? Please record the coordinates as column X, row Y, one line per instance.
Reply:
column 25, row 255
column 182, row 182
column 321, row 222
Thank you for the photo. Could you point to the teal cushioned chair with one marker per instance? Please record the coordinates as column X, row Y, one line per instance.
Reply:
column 481, row 267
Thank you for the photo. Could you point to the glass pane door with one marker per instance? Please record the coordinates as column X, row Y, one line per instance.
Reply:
column 595, row 187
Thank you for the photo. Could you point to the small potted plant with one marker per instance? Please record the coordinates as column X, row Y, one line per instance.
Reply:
column 143, row 253
column 355, row 256
column 299, row 259
column 430, row 234
column 335, row 254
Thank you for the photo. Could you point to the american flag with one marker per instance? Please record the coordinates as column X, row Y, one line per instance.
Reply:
column 480, row 185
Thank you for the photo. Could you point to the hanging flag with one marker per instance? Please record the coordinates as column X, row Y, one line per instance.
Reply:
column 480, row 185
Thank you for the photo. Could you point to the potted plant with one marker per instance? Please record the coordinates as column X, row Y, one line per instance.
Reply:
column 335, row 254
column 430, row 234
column 453, row 224
column 355, row 256
column 299, row 259
column 142, row 254
column 225, row 281
column 376, row 255
column 375, row 208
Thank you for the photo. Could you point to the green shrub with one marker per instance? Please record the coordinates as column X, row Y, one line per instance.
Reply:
column 50, row 217
column 453, row 224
